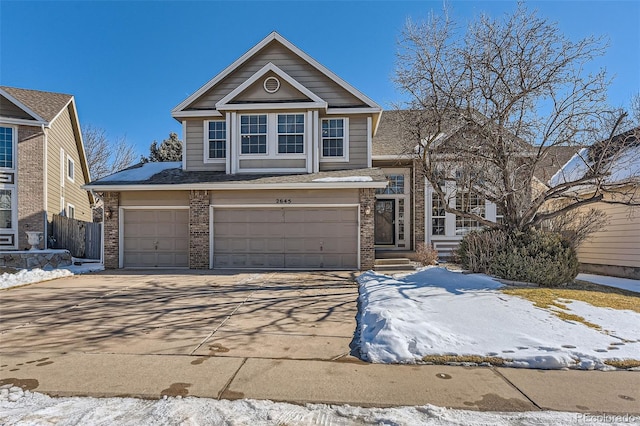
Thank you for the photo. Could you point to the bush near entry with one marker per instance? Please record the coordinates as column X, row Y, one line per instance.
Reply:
column 539, row 257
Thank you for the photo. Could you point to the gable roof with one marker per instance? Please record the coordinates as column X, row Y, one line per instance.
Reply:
column 274, row 36
column 43, row 106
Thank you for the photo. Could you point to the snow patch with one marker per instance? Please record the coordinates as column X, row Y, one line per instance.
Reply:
column 345, row 179
column 25, row 407
column 439, row 312
column 141, row 172
column 624, row 166
column 30, row 276
column 623, row 283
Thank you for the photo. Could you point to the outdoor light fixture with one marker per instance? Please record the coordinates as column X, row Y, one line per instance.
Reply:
column 367, row 210
column 108, row 213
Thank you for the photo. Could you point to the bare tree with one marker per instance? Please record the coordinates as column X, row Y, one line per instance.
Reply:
column 486, row 110
column 105, row 156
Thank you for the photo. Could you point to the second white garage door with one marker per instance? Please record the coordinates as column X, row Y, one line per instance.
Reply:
column 289, row 238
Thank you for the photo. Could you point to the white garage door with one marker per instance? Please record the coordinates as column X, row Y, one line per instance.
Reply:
column 156, row 238
column 325, row 237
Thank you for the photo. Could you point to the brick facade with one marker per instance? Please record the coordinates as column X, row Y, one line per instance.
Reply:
column 199, row 229
column 367, row 236
column 111, row 230
column 30, row 184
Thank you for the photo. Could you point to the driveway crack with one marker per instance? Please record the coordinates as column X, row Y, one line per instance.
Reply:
column 245, row 281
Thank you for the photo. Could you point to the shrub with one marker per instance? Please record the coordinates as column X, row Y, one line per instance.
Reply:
column 426, row 254
column 543, row 258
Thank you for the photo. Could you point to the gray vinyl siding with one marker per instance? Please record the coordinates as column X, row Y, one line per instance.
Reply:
column 288, row 62
column 272, row 164
column 61, row 135
column 357, row 147
column 9, row 109
column 256, row 92
column 195, row 148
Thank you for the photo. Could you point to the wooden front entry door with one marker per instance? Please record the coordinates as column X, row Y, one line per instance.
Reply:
column 385, row 224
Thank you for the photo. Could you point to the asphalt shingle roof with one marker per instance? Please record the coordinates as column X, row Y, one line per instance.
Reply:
column 46, row 104
column 180, row 177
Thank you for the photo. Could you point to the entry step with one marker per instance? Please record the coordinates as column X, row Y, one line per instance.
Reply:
column 395, row 261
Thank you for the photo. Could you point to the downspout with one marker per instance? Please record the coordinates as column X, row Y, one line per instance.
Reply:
column 45, row 197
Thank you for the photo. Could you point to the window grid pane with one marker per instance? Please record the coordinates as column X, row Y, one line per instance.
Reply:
column 468, row 202
column 6, row 147
column 5, row 209
column 253, row 133
column 291, row 134
column 437, row 216
column 395, row 185
column 333, row 138
column 217, row 139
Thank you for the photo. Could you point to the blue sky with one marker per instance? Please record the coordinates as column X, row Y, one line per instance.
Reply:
column 128, row 63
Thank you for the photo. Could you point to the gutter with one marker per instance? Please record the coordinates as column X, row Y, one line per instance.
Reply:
column 235, row 186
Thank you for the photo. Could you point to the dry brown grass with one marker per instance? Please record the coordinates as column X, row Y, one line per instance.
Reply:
column 8, row 270
column 593, row 294
column 445, row 359
column 623, row 364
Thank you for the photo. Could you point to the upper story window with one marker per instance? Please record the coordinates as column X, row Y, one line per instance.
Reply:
column 395, row 185
column 217, row 139
column 6, row 147
column 71, row 169
column 334, row 140
column 253, row 134
column 290, row 133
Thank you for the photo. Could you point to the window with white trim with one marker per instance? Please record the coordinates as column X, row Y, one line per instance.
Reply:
column 395, row 185
column 468, row 202
column 217, row 139
column 334, row 137
column 71, row 211
column 71, row 168
column 438, row 215
column 253, row 134
column 6, row 148
column 6, row 208
column 290, row 133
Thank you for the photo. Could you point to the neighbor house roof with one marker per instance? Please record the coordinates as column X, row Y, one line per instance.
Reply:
column 555, row 158
column 171, row 176
column 47, row 105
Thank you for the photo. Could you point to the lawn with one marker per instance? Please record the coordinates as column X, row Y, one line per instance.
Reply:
column 441, row 316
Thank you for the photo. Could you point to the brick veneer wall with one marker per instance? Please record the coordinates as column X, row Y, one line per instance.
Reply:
column 30, row 184
column 367, row 237
column 111, row 230
column 199, row 230
column 420, row 206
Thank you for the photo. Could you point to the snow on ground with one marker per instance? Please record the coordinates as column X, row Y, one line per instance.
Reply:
column 345, row 179
column 623, row 283
column 439, row 312
column 30, row 276
column 141, row 172
column 27, row 408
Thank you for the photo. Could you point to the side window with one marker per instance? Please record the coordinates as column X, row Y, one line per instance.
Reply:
column 334, row 138
column 217, row 139
column 6, row 148
column 71, row 169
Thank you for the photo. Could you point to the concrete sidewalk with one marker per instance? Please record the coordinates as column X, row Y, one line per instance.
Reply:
column 343, row 381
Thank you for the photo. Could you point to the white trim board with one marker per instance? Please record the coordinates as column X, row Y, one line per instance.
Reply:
column 237, row 187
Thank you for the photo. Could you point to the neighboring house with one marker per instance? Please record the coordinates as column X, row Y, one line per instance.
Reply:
column 42, row 164
column 276, row 173
column 615, row 249
column 408, row 213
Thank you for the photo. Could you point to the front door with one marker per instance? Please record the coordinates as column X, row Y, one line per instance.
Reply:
column 385, row 225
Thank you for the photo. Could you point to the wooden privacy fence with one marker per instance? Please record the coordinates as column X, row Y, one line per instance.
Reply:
column 82, row 239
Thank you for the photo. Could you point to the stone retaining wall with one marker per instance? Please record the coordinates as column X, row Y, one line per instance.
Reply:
column 35, row 259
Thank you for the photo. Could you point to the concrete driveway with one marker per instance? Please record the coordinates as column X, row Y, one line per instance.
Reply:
column 250, row 315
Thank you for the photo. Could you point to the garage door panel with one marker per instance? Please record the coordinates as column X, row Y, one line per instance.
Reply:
column 286, row 237
column 156, row 238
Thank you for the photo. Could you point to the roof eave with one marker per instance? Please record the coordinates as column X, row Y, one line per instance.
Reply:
column 235, row 186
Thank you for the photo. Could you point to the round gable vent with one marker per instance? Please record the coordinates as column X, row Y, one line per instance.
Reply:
column 271, row 84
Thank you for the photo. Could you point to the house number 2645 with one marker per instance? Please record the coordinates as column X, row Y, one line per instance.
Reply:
column 283, row 200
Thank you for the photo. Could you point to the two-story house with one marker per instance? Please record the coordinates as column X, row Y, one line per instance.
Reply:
column 276, row 173
column 42, row 164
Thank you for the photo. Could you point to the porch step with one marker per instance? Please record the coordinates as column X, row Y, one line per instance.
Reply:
column 393, row 261
column 394, row 264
